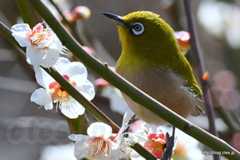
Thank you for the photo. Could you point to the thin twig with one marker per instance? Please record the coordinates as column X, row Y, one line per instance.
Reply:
column 228, row 119
column 4, row 31
column 64, row 19
column 132, row 91
column 78, row 125
column 200, row 65
column 169, row 146
column 66, row 22
column 235, row 116
column 26, row 12
column 201, row 69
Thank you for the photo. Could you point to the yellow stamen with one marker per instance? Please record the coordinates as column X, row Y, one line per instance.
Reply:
column 58, row 94
column 99, row 146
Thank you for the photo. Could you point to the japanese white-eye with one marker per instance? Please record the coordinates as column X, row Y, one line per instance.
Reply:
column 152, row 60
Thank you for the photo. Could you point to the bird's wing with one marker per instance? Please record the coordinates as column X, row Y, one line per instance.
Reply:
column 199, row 107
column 185, row 69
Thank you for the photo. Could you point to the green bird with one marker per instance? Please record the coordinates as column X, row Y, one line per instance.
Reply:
column 152, row 60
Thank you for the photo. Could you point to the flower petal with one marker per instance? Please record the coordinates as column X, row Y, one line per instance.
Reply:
column 85, row 87
column 78, row 137
column 44, row 57
column 61, row 64
column 34, row 56
column 81, row 146
column 42, row 98
column 72, row 109
column 19, row 32
column 76, row 68
column 42, row 77
column 50, row 58
column 56, row 44
column 81, row 150
column 125, row 122
column 99, row 129
column 48, row 106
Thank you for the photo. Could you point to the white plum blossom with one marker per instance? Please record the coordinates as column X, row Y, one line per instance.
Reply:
column 52, row 94
column 42, row 45
column 153, row 138
column 101, row 143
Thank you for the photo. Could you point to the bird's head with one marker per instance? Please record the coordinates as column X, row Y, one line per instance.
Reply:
column 143, row 32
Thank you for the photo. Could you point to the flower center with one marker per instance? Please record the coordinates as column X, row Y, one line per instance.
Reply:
column 99, row 146
column 156, row 144
column 38, row 34
column 37, row 38
column 58, row 93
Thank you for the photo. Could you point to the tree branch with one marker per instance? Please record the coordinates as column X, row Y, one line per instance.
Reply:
column 75, row 124
column 130, row 90
column 26, row 12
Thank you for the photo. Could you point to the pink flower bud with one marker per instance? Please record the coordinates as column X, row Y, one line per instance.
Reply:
column 101, row 83
column 205, row 76
column 183, row 39
column 70, row 16
column 82, row 12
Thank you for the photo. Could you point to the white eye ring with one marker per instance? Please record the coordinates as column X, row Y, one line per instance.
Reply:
column 137, row 28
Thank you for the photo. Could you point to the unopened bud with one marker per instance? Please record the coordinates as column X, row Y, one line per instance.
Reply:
column 101, row 83
column 69, row 16
column 205, row 76
column 81, row 12
column 183, row 39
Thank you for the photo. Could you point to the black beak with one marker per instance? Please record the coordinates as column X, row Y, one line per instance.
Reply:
column 116, row 18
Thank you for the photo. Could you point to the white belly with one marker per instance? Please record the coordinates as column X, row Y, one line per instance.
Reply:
column 164, row 86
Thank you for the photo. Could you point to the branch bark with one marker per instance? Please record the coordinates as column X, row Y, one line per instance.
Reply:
column 129, row 89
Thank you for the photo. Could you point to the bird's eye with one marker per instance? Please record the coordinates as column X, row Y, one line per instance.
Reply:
column 137, row 29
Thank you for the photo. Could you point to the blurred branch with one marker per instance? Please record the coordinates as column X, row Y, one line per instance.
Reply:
column 236, row 117
column 26, row 12
column 228, row 120
column 64, row 19
column 130, row 90
column 78, row 125
column 66, row 22
column 201, row 69
column 4, row 31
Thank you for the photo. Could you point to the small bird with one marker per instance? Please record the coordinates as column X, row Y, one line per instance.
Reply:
column 152, row 60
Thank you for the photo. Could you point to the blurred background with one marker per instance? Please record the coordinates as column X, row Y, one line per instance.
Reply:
column 28, row 132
